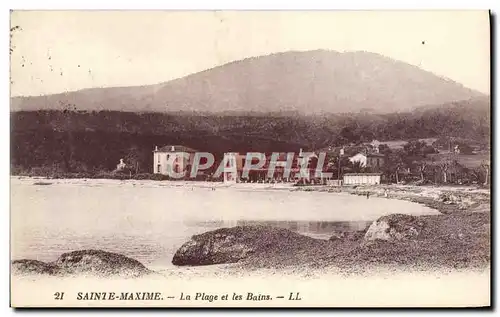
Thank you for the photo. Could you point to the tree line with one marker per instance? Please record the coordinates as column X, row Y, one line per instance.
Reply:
column 71, row 141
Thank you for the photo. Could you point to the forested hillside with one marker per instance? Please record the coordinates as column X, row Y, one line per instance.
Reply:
column 71, row 141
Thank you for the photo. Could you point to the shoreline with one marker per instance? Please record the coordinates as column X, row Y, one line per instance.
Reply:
column 460, row 198
column 476, row 197
column 463, row 211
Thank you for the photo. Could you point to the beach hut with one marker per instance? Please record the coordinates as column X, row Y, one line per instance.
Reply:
column 362, row 178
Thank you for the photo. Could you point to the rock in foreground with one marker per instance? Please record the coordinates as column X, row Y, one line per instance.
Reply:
column 395, row 227
column 230, row 245
column 84, row 262
column 20, row 267
column 99, row 262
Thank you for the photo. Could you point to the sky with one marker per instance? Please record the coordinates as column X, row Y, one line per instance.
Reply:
column 57, row 51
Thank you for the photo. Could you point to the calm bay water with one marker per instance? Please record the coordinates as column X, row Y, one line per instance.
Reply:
column 150, row 220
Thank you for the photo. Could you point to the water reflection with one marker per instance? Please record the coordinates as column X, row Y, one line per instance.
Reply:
column 315, row 229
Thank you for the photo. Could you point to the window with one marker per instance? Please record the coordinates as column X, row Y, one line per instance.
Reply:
column 158, row 168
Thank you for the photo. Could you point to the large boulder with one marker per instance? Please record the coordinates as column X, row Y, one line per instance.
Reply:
column 395, row 227
column 29, row 267
column 231, row 245
column 98, row 262
column 83, row 262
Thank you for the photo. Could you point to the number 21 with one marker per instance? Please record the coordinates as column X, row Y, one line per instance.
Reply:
column 58, row 296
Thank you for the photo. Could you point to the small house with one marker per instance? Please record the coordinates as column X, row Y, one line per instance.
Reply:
column 121, row 166
column 373, row 161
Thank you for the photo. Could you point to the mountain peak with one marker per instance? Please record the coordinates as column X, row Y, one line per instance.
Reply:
column 319, row 81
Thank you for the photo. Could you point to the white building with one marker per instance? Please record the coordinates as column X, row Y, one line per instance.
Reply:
column 359, row 158
column 362, row 178
column 373, row 160
column 172, row 158
column 121, row 166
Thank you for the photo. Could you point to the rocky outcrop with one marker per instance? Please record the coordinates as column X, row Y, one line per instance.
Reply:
column 27, row 267
column 84, row 262
column 395, row 227
column 230, row 245
column 348, row 235
column 462, row 201
column 99, row 262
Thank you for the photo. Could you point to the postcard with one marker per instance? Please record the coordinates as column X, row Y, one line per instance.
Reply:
column 250, row 159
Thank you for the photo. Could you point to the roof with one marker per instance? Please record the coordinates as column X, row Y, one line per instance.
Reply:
column 368, row 155
column 359, row 153
column 175, row 148
column 362, row 174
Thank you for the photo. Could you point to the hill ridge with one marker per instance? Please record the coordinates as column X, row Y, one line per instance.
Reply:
column 320, row 81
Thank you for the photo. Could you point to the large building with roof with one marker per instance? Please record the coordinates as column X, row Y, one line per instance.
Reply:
column 173, row 160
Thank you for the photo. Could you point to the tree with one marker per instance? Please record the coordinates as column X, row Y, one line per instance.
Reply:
column 418, row 148
column 348, row 134
column 384, row 149
column 337, row 163
column 486, row 167
column 464, row 148
column 422, row 165
column 414, row 147
column 355, row 167
column 396, row 162
column 445, row 166
column 133, row 159
column 429, row 149
column 398, row 169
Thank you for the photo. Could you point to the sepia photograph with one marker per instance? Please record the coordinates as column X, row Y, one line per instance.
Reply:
column 250, row 158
